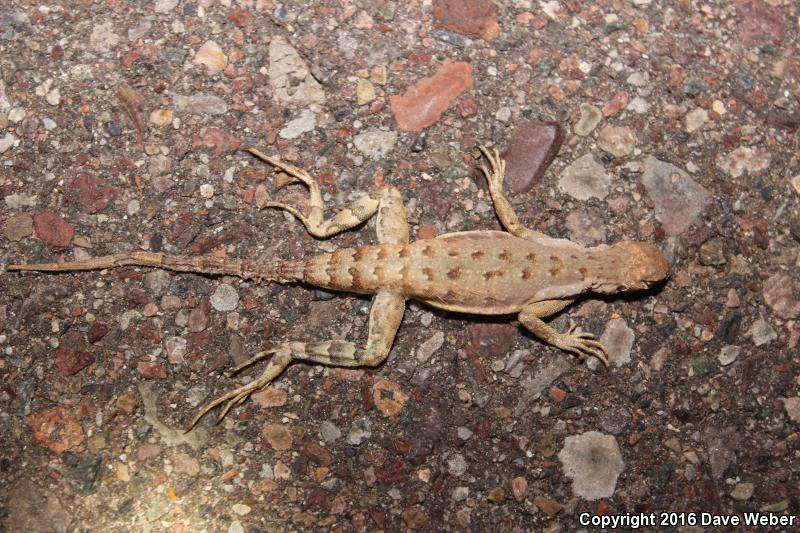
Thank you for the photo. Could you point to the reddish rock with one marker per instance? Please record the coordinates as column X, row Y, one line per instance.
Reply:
column 152, row 370
column 72, row 355
column 241, row 17
column 423, row 103
column 55, row 428
column 519, row 488
column 219, row 140
column 52, row 229
column 96, row 332
column 780, row 293
column 474, row 18
column 91, row 193
column 759, row 22
column 198, row 320
column 317, row 454
column 491, row 340
column 531, row 149
column 467, row 106
column 616, row 104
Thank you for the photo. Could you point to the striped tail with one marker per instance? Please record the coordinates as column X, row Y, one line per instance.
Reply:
column 275, row 270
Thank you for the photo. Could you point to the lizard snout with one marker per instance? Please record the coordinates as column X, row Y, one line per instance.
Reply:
column 646, row 264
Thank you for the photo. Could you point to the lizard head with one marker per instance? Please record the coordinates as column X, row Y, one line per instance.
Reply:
column 640, row 265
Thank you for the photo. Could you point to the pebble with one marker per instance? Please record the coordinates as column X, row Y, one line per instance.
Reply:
column 728, row 354
column 92, row 193
column 48, row 123
column 742, row 491
column 586, row 228
column 424, row 102
column 53, row 230
column 217, row 139
column 306, row 122
column 329, row 431
column 761, row 332
column 19, row 226
column 197, row 320
column 225, row 298
column 533, row 146
column 212, row 56
column 617, row 141
column 206, row 190
column 792, row 406
column 176, row 349
column 780, row 294
column 53, row 97
column 430, row 346
column 473, row 18
column 464, row 433
column 6, row 142
column 290, row 77
column 711, row 253
column 695, row 119
column 638, row 105
column 269, row 397
column 278, row 436
column 365, row 92
column 593, row 462
column 165, row 6
column 16, row 115
column 588, row 121
column 679, row 200
column 375, row 143
column 161, row 117
column 16, row 201
column 104, row 37
column 241, row 509
column 745, row 158
column 456, row 465
column 618, row 339
column 584, row 178
column 519, row 488
column 133, row 207
column 159, row 165
column 200, row 103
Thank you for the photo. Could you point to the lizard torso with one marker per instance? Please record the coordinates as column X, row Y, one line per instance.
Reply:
column 481, row 272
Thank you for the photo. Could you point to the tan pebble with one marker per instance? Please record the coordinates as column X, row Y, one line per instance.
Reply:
column 161, row 117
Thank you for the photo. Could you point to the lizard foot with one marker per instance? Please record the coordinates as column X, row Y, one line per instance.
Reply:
column 581, row 344
column 497, row 175
column 282, row 358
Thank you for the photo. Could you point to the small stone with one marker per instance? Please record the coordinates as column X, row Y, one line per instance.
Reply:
column 198, row 320
column 618, row 340
column 742, row 491
column 761, row 332
column 532, row 148
column 225, row 298
column 728, row 354
column 588, row 229
column 375, row 143
column 212, row 56
column 617, row 141
column 133, row 207
column 365, row 92
column 593, row 461
column 207, row 191
column 176, row 349
column 780, row 293
column 72, row 355
column 159, row 165
column 584, row 178
column 678, row 199
column 389, row 397
column 96, row 332
column 278, row 436
column 18, row 226
column 792, row 406
column 615, row 105
column 92, row 194
column 217, row 139
column 473, row 18
column 464, row 433
column 306, row 122
column 430, row 346
column 53, row 231
column 491, row 340
column 519, row 488
column 415, row 517
column 53, row 97
column 423, row 103
column 695, row 119
column 456, row 465
column 17, row 114
column 503, row 114
column 6, row 142
column 290, row 77
column 496, row 495
column 753, row 160
column 329, row 431
column 711, row 253
column 185, row 464
column 639, row 105
column 161, row 117
column 200, row 103
column 546, row 505
column 165, row 6
column 152, row 370
column 269, row 397
column 590, row 118
column 104, row 37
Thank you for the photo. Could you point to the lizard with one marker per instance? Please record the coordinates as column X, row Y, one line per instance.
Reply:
column 518, row 271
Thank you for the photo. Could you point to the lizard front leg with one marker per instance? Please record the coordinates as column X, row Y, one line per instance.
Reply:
column 384, row 320
column 495, row 177
column 579, row 344
column 349, row 217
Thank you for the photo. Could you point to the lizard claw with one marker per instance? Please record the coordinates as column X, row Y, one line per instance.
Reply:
column 582, row 344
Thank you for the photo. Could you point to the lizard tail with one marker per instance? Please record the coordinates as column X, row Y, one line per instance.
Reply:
column 277, row 270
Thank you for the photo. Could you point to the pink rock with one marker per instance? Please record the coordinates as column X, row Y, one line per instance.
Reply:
column 759, row 22
column 616, row 104
column 475, row 18
column 91, row 193
column 519, row 488
column 152, row 370
column 531, row 149
column 217, row 139
column 423, row 103
column 52, row 229
column 72, row 355
column 241, row 17
column 780, row 293
column 491, row 340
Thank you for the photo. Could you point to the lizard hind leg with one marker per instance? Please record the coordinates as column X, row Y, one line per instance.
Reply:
column 357, row 212
column 384, row 320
